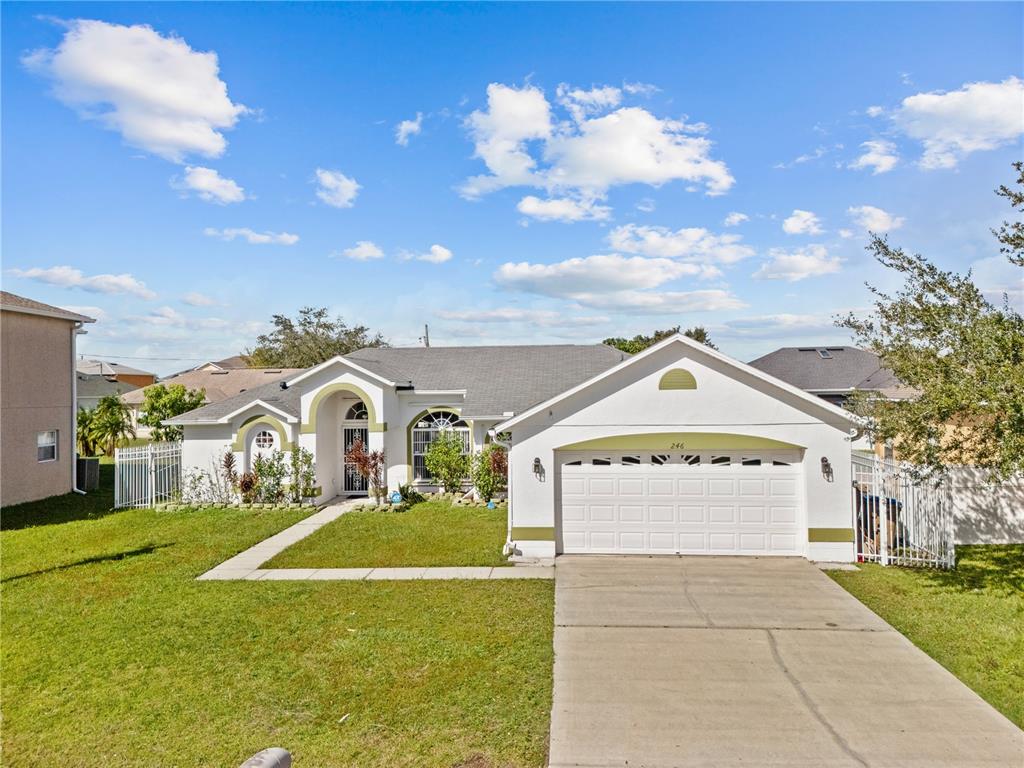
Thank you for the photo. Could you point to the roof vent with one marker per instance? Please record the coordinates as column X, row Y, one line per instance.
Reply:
column 825, row 354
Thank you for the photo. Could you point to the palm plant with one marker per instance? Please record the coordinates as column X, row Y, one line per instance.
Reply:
column 112, row 424
column 85, row 424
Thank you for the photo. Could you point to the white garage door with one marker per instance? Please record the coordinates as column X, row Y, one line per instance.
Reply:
column 716, row 502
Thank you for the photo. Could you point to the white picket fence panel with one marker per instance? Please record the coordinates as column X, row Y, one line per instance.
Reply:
column 147, row 475
column 899, row 519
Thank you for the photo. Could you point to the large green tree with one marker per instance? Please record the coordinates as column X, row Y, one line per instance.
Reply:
column 960, row 355
column 641, row 342
column 163, row 402
column 309, row 339
column 111, row 423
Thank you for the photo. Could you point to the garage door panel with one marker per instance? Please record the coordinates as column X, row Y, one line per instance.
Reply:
column 691, row 513
column 631, row 486
column 674, row 503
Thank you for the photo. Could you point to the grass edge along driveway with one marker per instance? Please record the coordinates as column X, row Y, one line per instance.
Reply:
column 431, row 533
column 970, row 620
column 113, row 654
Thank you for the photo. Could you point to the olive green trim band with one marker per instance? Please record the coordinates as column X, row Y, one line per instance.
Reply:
column 520, row 533
column 269, row 421
column 830, row 535
column 309, row 428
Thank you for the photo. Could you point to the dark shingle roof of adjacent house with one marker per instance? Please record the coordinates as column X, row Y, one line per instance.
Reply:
column 829, row 369
column 11, row 302
column 91, row 385
column 105, row 368
column 497, row 380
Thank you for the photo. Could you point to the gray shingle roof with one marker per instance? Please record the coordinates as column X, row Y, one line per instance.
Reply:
column 497, row 380
column 842, row 368
column 104, row 368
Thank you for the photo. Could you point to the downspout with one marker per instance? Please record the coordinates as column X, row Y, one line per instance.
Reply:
column 75, row 330
column 508, row 548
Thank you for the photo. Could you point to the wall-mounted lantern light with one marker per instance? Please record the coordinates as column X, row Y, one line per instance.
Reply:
column 538, row 470
column 826, row 469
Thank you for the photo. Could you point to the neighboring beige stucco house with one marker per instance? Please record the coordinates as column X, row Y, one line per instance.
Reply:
column 37, row 399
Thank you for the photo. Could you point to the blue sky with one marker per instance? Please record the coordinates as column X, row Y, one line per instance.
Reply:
column 184, row 171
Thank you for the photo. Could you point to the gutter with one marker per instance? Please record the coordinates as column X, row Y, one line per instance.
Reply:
column 76, row 329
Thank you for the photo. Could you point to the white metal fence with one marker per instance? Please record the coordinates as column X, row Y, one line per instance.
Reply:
column 147, row 474
column 900, row 519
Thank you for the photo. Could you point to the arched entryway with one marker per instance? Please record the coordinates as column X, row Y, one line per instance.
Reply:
column 354, row 428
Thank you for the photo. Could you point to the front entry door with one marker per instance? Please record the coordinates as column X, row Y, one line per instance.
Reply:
column 354, row 482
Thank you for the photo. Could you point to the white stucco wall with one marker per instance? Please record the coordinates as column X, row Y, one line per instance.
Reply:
column 725, row 401
column 204, row 446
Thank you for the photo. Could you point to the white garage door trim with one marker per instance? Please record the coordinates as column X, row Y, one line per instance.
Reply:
column 714, row 502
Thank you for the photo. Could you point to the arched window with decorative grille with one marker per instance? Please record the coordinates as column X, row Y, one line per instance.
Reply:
column 357, row 412
column 425, row 431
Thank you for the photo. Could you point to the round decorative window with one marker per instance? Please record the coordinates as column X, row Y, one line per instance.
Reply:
column 357, row 412
column 264, row 439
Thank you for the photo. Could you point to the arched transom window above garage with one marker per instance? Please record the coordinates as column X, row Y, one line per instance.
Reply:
column 677, row 378
column 357, row 412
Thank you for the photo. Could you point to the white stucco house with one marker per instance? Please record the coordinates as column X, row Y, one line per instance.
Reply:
column 678, row 449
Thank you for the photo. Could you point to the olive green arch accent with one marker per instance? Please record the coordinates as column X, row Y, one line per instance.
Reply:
column 265, row 420
column 668, row 441
column 371, row 422
column 677, row 378
column 420, row 415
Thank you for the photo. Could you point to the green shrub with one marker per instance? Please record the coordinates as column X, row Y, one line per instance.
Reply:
column 490, row 471
column 446, row 462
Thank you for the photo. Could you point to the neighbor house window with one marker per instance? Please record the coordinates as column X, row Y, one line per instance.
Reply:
column 425, row 432
column 46, row 445
column 264, row 439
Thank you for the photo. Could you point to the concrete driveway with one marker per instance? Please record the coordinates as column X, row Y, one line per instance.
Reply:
column 708, row 661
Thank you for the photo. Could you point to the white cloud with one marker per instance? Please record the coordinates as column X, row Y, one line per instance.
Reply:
column 802, row 223
column 996, row 277
column 879, row 155
column 795, row 265
column 542, row 317
column 562, row 209
column 196, row 299
column 408, row 128
column 210, row 185
column 874, row 219
column 735, row 219
column 70, row 277
column 514, row 116
column 779, row 325
column 364, row 250
column 336, row 189
column 590, row 154
column 252, row 237
column 577, row 277
column 437, row 254
column 845, row 233
column 953, row 124
column 157, row 92
column 661, row 303
column 646, row 205
column 581, row 103
column 641, row 89
column 875, row 111
column 690, row 243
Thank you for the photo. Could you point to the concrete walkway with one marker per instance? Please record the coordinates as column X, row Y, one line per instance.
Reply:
column 246, row 565
column 749, row 662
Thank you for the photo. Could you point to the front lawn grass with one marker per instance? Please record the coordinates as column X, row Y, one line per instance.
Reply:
column 431, row 533
column 114, row 655
column 970, row 620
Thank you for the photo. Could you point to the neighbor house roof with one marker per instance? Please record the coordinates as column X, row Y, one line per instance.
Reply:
column 11, row 302
column 90, row 386
column 496, row 380
column 219, row 385
column 827, row 369
column 103, row 368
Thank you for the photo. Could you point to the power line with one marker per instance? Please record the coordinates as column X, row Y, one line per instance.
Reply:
column 97, row 355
